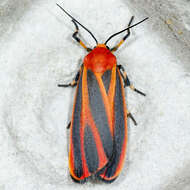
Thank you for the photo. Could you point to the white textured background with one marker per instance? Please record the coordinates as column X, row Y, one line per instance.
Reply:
column 37, row 52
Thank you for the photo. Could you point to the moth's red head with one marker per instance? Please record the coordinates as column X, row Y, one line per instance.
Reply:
column 100, row 59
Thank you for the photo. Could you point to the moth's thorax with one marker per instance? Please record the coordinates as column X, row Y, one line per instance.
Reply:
column 100, row 59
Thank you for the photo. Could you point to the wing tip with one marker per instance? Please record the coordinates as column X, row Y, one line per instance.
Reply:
column 82, row 181
column 108, row 181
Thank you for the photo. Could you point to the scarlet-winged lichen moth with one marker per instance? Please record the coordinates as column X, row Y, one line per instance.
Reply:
column 98, row 128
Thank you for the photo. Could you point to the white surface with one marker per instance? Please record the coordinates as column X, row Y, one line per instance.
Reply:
column 37, row 52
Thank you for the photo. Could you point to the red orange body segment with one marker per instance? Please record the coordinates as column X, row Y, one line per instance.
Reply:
column 100, row 59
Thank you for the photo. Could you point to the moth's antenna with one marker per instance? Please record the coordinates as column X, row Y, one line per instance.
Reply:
column 77, row 22
column 124, row 30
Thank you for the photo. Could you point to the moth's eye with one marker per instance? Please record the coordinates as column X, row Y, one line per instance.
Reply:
column 89, row 49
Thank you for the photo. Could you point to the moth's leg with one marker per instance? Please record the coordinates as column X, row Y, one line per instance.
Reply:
column 69, row 125
column 124, row 38
column 132, row 118
column 73, row 83
column 77, row 38
column 127, row 81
